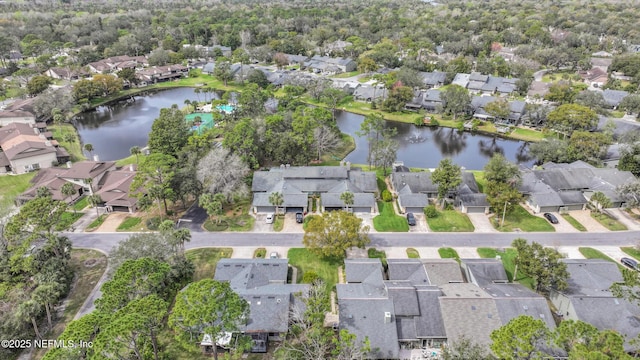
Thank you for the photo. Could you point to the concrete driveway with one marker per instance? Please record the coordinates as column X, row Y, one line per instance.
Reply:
column 563, row 226
column 395, row 252
column 367, row 219
column 467, row 252
column 112, row 222
column 290, row 224
column 428, row 252
column 624, row 218
column 570, row 252
column 481, row 223
column 613, row 252
column 260, row 224
column 421, row 224
column 282, row 251
column 243, row 252
column 584, row 218
column 194, row 218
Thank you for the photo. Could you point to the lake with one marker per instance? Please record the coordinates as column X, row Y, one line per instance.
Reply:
column 114, row 129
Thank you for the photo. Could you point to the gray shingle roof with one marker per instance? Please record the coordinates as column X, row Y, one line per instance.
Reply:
column 413, row 200
column 614, row 97
column 366, row 319
column 359, row 200
column 461, row 80
column 534, row 306
column 473, row 200
column 405, row 299
column 591, row 277
column 468, row 312
column 484, row 272
column 358, row 270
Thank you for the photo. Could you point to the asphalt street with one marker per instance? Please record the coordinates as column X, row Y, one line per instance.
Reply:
column 105, row 241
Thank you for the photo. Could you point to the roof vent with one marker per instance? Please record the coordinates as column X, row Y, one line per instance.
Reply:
column 387, row 317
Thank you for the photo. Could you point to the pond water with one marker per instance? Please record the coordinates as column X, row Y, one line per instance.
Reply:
column 113, row 130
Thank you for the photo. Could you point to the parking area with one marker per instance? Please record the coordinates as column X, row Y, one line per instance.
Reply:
column 290, row 224
column 562, row 225
column 481, row 223
column 260, row 224
column 421, row 224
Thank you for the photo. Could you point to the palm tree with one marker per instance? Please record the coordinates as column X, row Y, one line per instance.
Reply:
column 276, row 199
column 347, row 198
column 135, row 150
column 88, row 148
column 95, row 200
column 68, row 190
column 28, row 311
column 47, row 294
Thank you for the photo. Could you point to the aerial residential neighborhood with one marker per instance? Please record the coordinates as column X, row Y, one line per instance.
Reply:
column 319, row 180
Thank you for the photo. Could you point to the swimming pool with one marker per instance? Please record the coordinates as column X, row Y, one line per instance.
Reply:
column 228, row 109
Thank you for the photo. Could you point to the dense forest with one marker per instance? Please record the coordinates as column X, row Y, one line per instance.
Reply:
column 547, row 32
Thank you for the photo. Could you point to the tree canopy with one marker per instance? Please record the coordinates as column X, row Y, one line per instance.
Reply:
column 334, row 232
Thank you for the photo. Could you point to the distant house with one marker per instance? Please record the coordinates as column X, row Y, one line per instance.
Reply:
column 76, row 174
column 297, row 183
column 347, row 86
column 328, row 65
column 596, row 77
column 337, row 46
column 370, row 93
column 428, row 100
column 27, row 147
column 296, row 59
column 114, row 190
column 489, row 85
column 161, row 73
column 461, row 80
column 561, row 187
column 414, row 189
column 613, row 98
column 588, row 298
column 263, row 284
column 117, row 63
column 66, row 74
column 208, row 68
column 433, row 80
column 516, row 109
column 16, row 116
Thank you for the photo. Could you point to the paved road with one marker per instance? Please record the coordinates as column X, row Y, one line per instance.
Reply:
column 105, row 241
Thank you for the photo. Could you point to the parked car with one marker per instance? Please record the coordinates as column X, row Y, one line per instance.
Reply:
column 552, row 218
column 411, row 220
column 269, row 218
column 299, row 218
column 629, row 263
column 274, row 255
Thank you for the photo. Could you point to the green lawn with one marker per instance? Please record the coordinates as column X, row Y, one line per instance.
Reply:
column 482, row 182
column 448, row 253
column 571, row 220
column 66, row 220
column 508, row 261
column 631, row 251
column 61, row 132
column 236, row 218
column 526, row 134
column 260, row 253
column 278, row 223
column 88, row 267
column 413, row 253
column 205, row 261
column 81, row 204
column 374, row 253
column 450, row 221
column 12, row 186
column 129, row 223
column 96, row 223
column 326, row 268
column 346, row 75
column 131, row 159
column 591, row 253
column 388, row 220
column 519, row 218
column 608, row 222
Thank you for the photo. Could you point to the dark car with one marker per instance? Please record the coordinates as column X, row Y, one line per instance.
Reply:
column 552, row 218
column 629, row 263
column 411, row 220
column 299, row 218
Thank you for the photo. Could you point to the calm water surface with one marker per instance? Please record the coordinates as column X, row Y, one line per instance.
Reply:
column 113, row 130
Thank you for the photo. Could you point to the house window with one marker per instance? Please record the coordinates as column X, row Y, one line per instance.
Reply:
column 35, row 166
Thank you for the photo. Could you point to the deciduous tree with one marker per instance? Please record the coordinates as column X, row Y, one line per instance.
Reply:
column 542, row 264
column 334, row 232
column 456, row 100
column 169, row 132
column 447, row 176
column 223, row 172
column 155, row 174
column 521, row 338
column 38, row 84
column 568, row 118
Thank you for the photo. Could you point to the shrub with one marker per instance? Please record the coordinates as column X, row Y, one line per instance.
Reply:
column 153, row 223
column 434, row 122
column 431, row 211
column 309, row 277
column 461, row 126
column 386, row 196
column 419, row 121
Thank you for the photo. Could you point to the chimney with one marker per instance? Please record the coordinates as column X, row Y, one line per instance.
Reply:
column 132, row 168
column 35, row 130
column 96, row 157
column 47, row 143
column 68, row 164
column 387, row 317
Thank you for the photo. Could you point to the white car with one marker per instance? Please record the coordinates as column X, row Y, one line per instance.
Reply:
column 269, row 218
